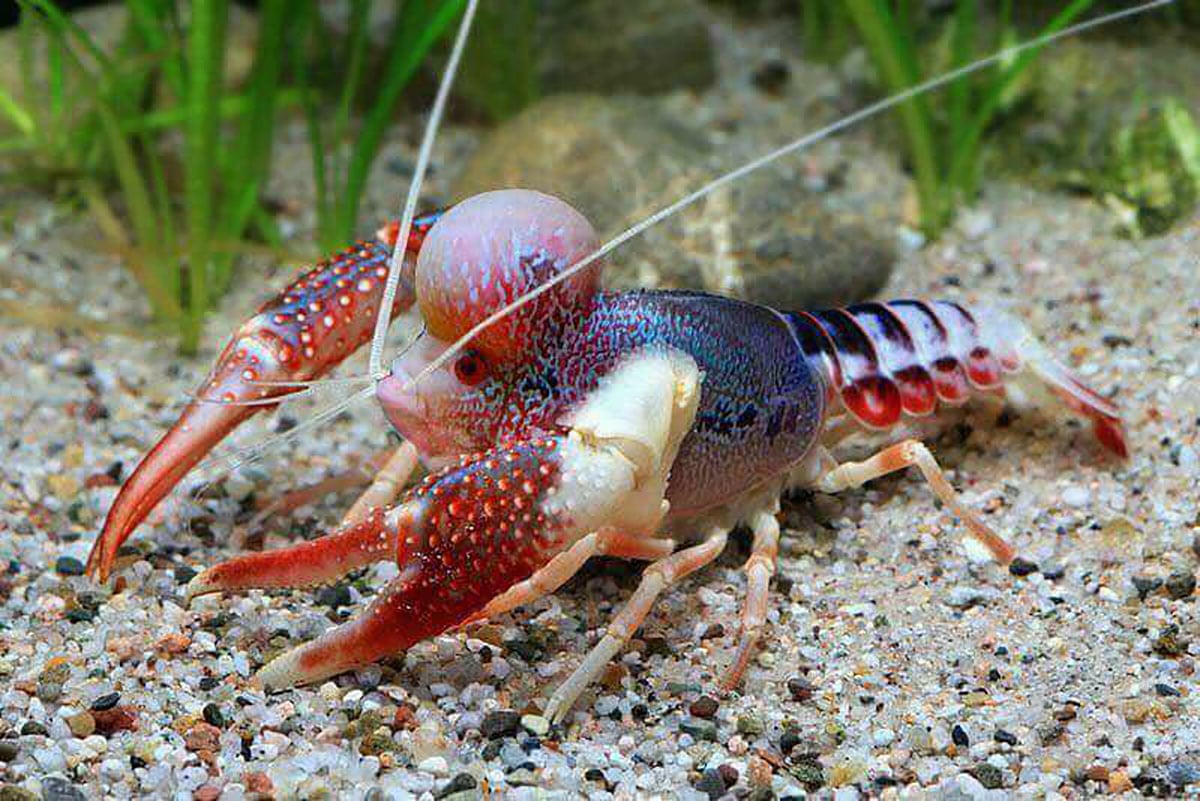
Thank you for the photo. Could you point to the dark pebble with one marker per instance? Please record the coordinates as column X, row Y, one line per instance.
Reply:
column 460, row 783
column 711, row 783
column 184, row 574
column 988, row 775
column 527, row 650
column 729, row 773
column 700, row 729
column 1054, row 572
column 136, row 762
column 1144, row 585
column 68, row 566
column 772, row 76
column 595, row 775
column 657, row 645
column 334, row 597
column 214, row 715
column 56, row 788
column 1181, row 584
column 801, row 689
column 8, row 750
column 713, row 632
column 32, row 727
column 81, row 615
column 959, row 735
column 106, row 702
column 208, row 683
column 1022, row 567
column 704, row 707
column 788, row 741
column 500, row 724
column 1006, row 737
column 1166, row 690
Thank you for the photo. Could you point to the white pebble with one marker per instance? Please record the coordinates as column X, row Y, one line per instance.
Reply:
column 1077, row 497
column 435, row 765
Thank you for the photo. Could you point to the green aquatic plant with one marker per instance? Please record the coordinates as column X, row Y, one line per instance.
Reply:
column 344, row 146
column 1150, row 174
column 944, row 134
column 172, row 158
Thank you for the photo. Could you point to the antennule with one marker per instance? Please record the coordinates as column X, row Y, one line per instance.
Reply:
column 379, row 338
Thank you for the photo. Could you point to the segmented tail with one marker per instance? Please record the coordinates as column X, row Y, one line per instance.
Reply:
column 885, row 360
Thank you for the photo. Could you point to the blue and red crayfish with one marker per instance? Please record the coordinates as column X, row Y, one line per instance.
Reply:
column 638, row 424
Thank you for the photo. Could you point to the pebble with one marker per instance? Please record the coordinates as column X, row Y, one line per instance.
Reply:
column 535, row 724
column 435, row 764
column 1181, row 584
column 988, row 775
column 106, row 702
column 712, row 783
column 958, row 735
column 704, row 707
column 461, row 783
column 8, row 750
column 750, row 725
column 964, row 597
column 700, row 729
column 68, row 566
column 1022, row 567
column 82, row 725
column 1145, row 585
column 1077, row 497
column 500, row 724
column 1006, row 737
column 214, row 715
column 55, row 788
column 800, row 688
column 882, row 737
column 1182, row 773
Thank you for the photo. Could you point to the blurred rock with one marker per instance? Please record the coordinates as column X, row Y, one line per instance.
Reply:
column 641, row 46
column 767, row 238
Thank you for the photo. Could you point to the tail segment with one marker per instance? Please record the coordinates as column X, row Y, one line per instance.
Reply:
column 906, row 357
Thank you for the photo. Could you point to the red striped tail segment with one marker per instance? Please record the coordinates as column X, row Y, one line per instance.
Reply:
column 885, row 360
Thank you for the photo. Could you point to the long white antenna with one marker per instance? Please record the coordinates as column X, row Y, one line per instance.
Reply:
column 762, row 161
column 384, row 317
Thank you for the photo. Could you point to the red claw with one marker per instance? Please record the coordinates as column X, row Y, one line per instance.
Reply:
column 301, row 334
column 460, row 539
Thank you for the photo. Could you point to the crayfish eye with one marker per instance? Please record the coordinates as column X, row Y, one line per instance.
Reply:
column 471, row 368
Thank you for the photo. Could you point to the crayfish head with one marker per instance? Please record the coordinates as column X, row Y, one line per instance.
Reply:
column 483, row 254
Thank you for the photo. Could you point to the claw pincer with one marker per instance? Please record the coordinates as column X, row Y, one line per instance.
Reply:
column 301, row 334
column 461, row 538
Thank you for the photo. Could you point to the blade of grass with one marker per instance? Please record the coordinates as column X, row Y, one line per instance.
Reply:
column 205, row 51
column 964, row 159
column 16, row 114
column 417, row 29
column 961, row 46
column 251, row 164
column 890, row 48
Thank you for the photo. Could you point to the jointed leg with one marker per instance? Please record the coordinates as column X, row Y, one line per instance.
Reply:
column 759, row 569
column 306, row 564
column 906, row 454
column 657, row 578
column 388, row 484
column 567, row 564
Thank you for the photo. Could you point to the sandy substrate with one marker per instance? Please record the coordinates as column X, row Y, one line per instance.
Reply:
column 893, row 662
